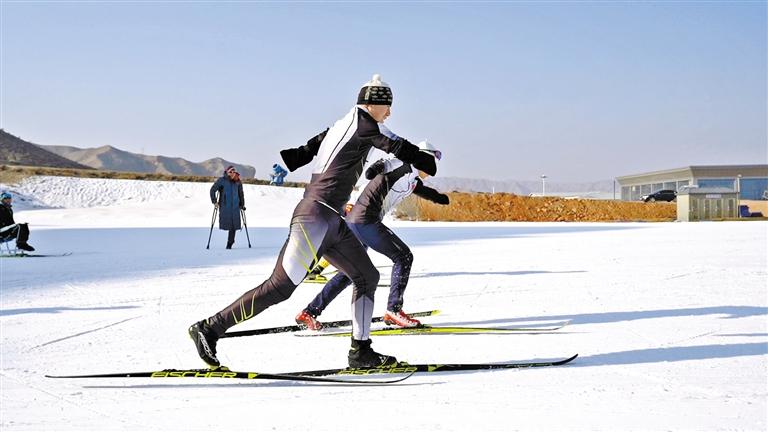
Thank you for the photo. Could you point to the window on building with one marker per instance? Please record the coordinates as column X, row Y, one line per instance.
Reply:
column 670, row 185
column 681, row 183
column 625, row 193
column 754, row 188
column 721, row 183
column 657, row 187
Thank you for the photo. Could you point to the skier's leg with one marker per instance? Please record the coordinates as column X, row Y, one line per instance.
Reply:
column 383, row 240
column 300, row 252
column 351, row 258
column 333, row 288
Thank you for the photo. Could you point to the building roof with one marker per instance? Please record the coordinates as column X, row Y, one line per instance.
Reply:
column 697, row 171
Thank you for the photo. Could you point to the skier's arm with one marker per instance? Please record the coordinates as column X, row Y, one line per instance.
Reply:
column 295, row 158
column 406, row 152
column 382, row 138
column 430, row 194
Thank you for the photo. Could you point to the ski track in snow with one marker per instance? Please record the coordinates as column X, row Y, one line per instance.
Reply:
column 670, row 321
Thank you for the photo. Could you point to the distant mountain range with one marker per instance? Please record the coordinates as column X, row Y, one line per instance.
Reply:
column 20, row 152
column 16, row 151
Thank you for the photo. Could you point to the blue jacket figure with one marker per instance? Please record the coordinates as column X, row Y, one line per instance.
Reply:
column 230, row 201
column 278, row 174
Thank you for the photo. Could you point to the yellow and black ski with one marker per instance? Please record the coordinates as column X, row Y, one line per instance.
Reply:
column 405, row 368
column 225, row 373
column 296, row 327
column 433, row 330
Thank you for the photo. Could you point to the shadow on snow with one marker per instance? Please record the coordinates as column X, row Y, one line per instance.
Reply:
column 730, row 312
column 55, row 310
column 672, row 354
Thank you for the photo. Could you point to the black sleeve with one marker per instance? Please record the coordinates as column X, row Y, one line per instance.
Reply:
column 375, row 169
column 409, row 153
column 295, row 158
column 369, row 130
column 6, row 217
column 430, row 194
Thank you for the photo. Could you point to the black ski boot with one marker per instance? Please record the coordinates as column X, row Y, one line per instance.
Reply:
column 25, row 246
column 361, row 355
column 205, row 341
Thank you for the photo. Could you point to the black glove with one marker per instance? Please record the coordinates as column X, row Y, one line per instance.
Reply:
column 242, row 208
column 409, row 153
column 375, row 169
column 292, row 158
column 425, row 162
column 442, row 199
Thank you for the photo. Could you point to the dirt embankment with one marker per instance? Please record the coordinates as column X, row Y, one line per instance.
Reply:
column 466, row 207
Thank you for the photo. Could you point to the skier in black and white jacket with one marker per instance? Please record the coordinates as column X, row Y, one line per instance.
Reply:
column 392, row 181
column 317, row 228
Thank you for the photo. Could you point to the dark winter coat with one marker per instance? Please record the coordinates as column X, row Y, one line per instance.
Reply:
column 6, row 216
column 231, row 200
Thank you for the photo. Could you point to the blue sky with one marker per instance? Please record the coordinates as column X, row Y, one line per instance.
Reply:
column 579, row 91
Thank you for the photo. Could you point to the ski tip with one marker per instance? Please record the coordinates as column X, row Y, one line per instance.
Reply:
column 568, row 360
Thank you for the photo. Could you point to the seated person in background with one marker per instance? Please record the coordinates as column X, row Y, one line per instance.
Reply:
column 10, row 229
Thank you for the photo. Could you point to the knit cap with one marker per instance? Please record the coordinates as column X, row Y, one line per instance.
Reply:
column 375, row 92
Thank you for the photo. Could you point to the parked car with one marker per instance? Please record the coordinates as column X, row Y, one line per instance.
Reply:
column 662, row 195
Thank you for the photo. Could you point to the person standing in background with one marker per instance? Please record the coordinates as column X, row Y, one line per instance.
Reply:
column 230, row 201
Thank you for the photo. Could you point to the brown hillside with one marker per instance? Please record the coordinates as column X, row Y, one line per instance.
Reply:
column 14, row 174
column 467, row 207
column 16, row 151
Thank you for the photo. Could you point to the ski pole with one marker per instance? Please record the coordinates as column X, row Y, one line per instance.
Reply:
column 242, row 212
column 213, row 218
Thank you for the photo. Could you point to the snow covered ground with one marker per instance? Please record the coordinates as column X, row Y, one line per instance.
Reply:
column 669, row 320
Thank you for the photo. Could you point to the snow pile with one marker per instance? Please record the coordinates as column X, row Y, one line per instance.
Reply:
column 85, row 202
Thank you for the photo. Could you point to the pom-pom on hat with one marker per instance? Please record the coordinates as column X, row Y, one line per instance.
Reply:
column 375, row 92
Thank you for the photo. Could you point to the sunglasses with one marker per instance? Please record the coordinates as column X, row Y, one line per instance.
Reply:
column 231, row 171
